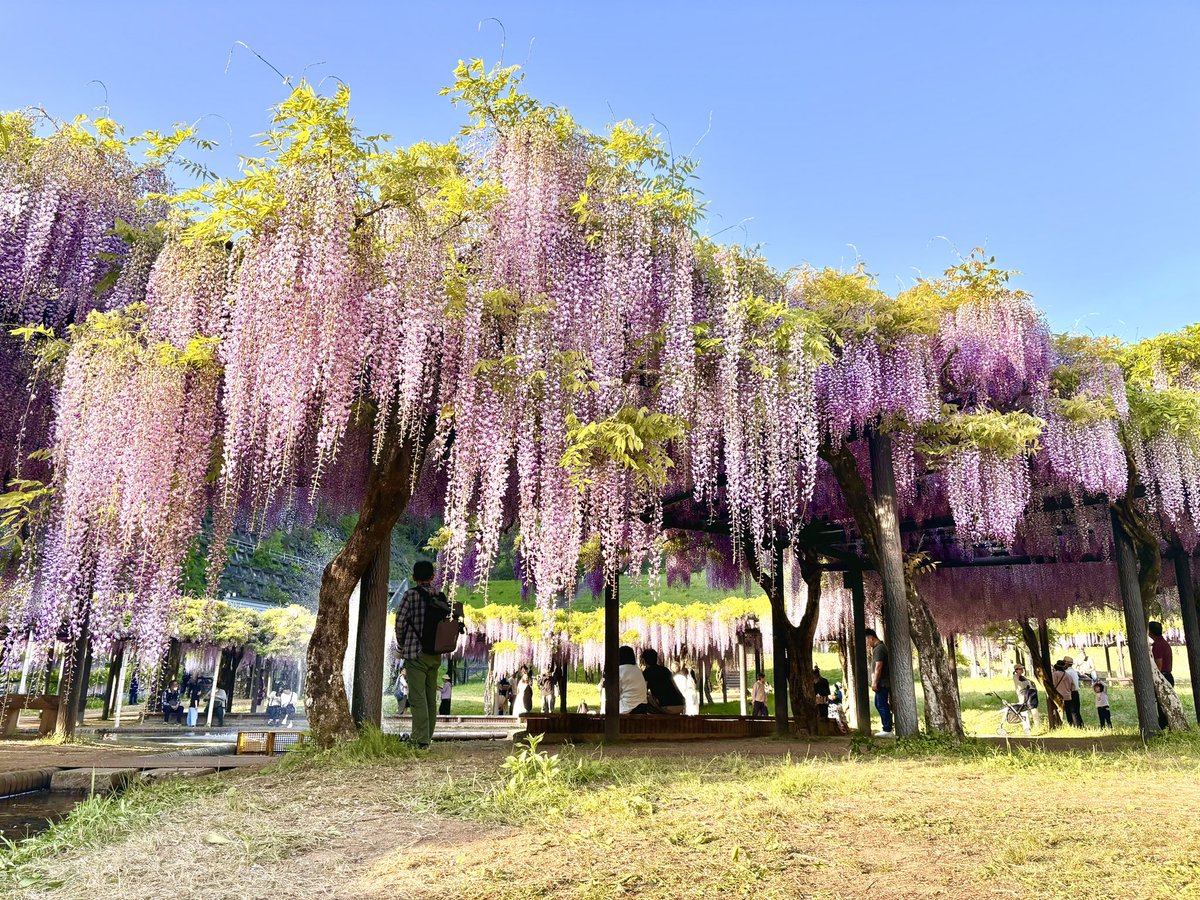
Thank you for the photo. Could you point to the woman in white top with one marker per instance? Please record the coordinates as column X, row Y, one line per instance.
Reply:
column 519, row 697
column 691, row 696
column 633, row 683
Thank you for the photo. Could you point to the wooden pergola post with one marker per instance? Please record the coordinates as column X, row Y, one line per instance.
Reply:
column 114, row 667
column 862, row 697
column 779, row 642
column 612, row 665
column 26, row 663
column 120, row 687
column 742, row 666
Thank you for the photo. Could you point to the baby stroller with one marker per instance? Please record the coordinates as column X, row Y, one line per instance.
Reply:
column 1012, row 714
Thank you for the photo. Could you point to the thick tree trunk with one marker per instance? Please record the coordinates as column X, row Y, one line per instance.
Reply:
column 367, row 702
column 389, row 487
column 1168, row 701
column 1135, row 624
column 231, row 659
column 938, row 682
column 799, row 640
column 792, row 644
column 1040, row 662
column 890, row 564
column 562, row 686
column 166, row 671
column 85, row 684
column 780, row 641
column 1191, row 622
column 879, row 527
column 72, row 685
column 111, row 687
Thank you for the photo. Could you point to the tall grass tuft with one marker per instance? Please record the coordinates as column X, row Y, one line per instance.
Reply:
column 94, row 822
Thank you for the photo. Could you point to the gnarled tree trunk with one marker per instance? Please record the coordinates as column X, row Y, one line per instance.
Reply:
column 389, row 488
column 938, row 681
column 796, row 675
column 1041, row 665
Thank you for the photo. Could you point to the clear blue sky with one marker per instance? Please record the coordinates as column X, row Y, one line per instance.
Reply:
column 1062, row 136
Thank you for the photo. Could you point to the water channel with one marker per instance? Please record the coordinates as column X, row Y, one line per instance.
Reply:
column 24, row 815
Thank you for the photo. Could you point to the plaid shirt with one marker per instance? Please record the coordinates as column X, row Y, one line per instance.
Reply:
column 410, row 621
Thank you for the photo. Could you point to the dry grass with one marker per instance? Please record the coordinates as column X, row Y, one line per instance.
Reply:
column 683, row 822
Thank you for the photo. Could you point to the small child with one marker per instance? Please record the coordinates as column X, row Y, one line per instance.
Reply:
column 1102, row 709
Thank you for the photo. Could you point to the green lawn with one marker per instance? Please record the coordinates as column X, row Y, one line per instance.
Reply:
column 981, row 712
column 767, row 820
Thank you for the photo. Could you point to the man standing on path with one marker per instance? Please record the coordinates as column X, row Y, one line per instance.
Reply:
column 420, row 607
column 881, row 682
column 447, row 692
column 1074, row 714
column 1160, row 652
column 758, row 698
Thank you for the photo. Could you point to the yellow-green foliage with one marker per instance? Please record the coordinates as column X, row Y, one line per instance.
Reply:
column 281, row 632
column 633, row 439
column 1005, row 434
column 583, row 627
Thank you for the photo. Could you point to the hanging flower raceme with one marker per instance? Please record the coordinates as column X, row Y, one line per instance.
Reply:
column 294, row 352
column 761, row 415
column 135, row 427
column 1170, row 465
column 988, row 493
column 61, row 198
column 1163, row 430
column 1081, row 443
column 556, row 337
column 997, row 348
column 966, row 599
column 186, row 291
column 863, row 383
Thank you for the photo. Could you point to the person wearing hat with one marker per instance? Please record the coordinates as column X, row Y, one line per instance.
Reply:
column 1027, row 693
column 1074, row 716
column 444, row 706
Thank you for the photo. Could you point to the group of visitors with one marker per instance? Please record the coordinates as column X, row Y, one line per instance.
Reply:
column 1067, row 679
column 173, row 708
column 515, row 696
column 650, row 688
column 403, row 702
column 1066, row 682
column 281, row 707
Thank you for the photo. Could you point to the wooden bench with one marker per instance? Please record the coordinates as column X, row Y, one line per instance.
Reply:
column 560, row 727
column 11, row 706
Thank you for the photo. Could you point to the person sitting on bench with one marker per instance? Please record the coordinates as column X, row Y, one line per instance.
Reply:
column 664, row 694
column 172, row 707
column 631, row 683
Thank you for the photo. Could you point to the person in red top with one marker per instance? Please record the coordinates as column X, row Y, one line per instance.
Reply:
column 1161, row 651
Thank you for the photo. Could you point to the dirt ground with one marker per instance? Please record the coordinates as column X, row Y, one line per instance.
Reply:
column 672, row 821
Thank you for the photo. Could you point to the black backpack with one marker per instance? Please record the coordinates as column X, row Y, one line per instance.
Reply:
column 440, row 634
